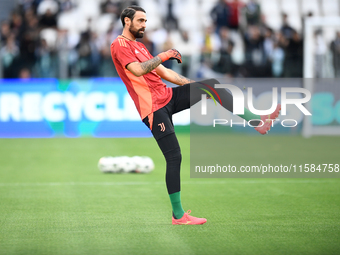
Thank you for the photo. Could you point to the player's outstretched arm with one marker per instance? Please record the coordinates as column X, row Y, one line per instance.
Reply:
column 139, row 69
column 172, row 76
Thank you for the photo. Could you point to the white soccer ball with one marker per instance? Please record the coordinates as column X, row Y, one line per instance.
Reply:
column 146, row 165
column 108, row 164
column 126, row 164
column 138, row 162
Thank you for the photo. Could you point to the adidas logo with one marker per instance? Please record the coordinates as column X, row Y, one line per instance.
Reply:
column 136, row 51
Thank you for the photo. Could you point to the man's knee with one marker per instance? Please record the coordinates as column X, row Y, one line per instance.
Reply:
column 174, row 156
column 211, row 82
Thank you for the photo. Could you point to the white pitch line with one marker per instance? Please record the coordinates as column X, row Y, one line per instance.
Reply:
column 234, row 181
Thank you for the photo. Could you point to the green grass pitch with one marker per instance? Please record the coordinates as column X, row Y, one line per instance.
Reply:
column 54, row 200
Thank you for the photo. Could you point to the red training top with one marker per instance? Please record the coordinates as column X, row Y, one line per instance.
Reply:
column 148, row 91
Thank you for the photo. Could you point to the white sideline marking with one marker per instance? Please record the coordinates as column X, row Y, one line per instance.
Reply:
column 159, row 183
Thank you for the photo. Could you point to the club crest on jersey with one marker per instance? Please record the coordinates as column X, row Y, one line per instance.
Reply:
column 162, row 126
column 144, row 51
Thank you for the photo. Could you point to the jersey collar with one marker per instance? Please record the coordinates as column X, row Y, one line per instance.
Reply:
column 122, row 36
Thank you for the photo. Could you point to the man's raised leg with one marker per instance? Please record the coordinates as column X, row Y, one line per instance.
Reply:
column 262, row 124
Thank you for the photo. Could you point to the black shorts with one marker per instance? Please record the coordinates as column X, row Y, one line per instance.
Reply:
column 161, row 120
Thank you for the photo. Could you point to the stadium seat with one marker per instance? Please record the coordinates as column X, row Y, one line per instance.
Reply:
column 270, row 6
column 274, row 21
column 310, row 6
column 103, row 22
column 330, row 7
column 290, row 7
column 295, row 21
column 47, row 4
column 50, row 35
column 153, row 14
column 188, row 15
column 204, row 12
column 89, row 8
column 72, row 21
column 272, row 13
column 66, row 20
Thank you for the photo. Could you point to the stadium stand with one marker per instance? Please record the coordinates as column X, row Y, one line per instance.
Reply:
column 263, row 39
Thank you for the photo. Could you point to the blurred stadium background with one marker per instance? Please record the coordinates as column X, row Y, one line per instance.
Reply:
column 239, row 38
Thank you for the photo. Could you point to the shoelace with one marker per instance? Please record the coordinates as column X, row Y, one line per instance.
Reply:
column 188, row 212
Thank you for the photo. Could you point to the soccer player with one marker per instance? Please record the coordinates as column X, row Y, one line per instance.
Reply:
column 142, row 73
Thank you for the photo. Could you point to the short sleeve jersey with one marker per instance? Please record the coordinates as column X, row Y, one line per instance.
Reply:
column 148, row 91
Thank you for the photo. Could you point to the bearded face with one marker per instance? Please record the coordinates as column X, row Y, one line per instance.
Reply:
column 137, row 33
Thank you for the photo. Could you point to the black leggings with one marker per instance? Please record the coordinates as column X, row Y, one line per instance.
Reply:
column 162, row 127
column 172, row 153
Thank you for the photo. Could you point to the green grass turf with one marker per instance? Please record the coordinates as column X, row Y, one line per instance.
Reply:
column 54, row 200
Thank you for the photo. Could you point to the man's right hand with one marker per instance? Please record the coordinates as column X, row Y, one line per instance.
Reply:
column 170, row 54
